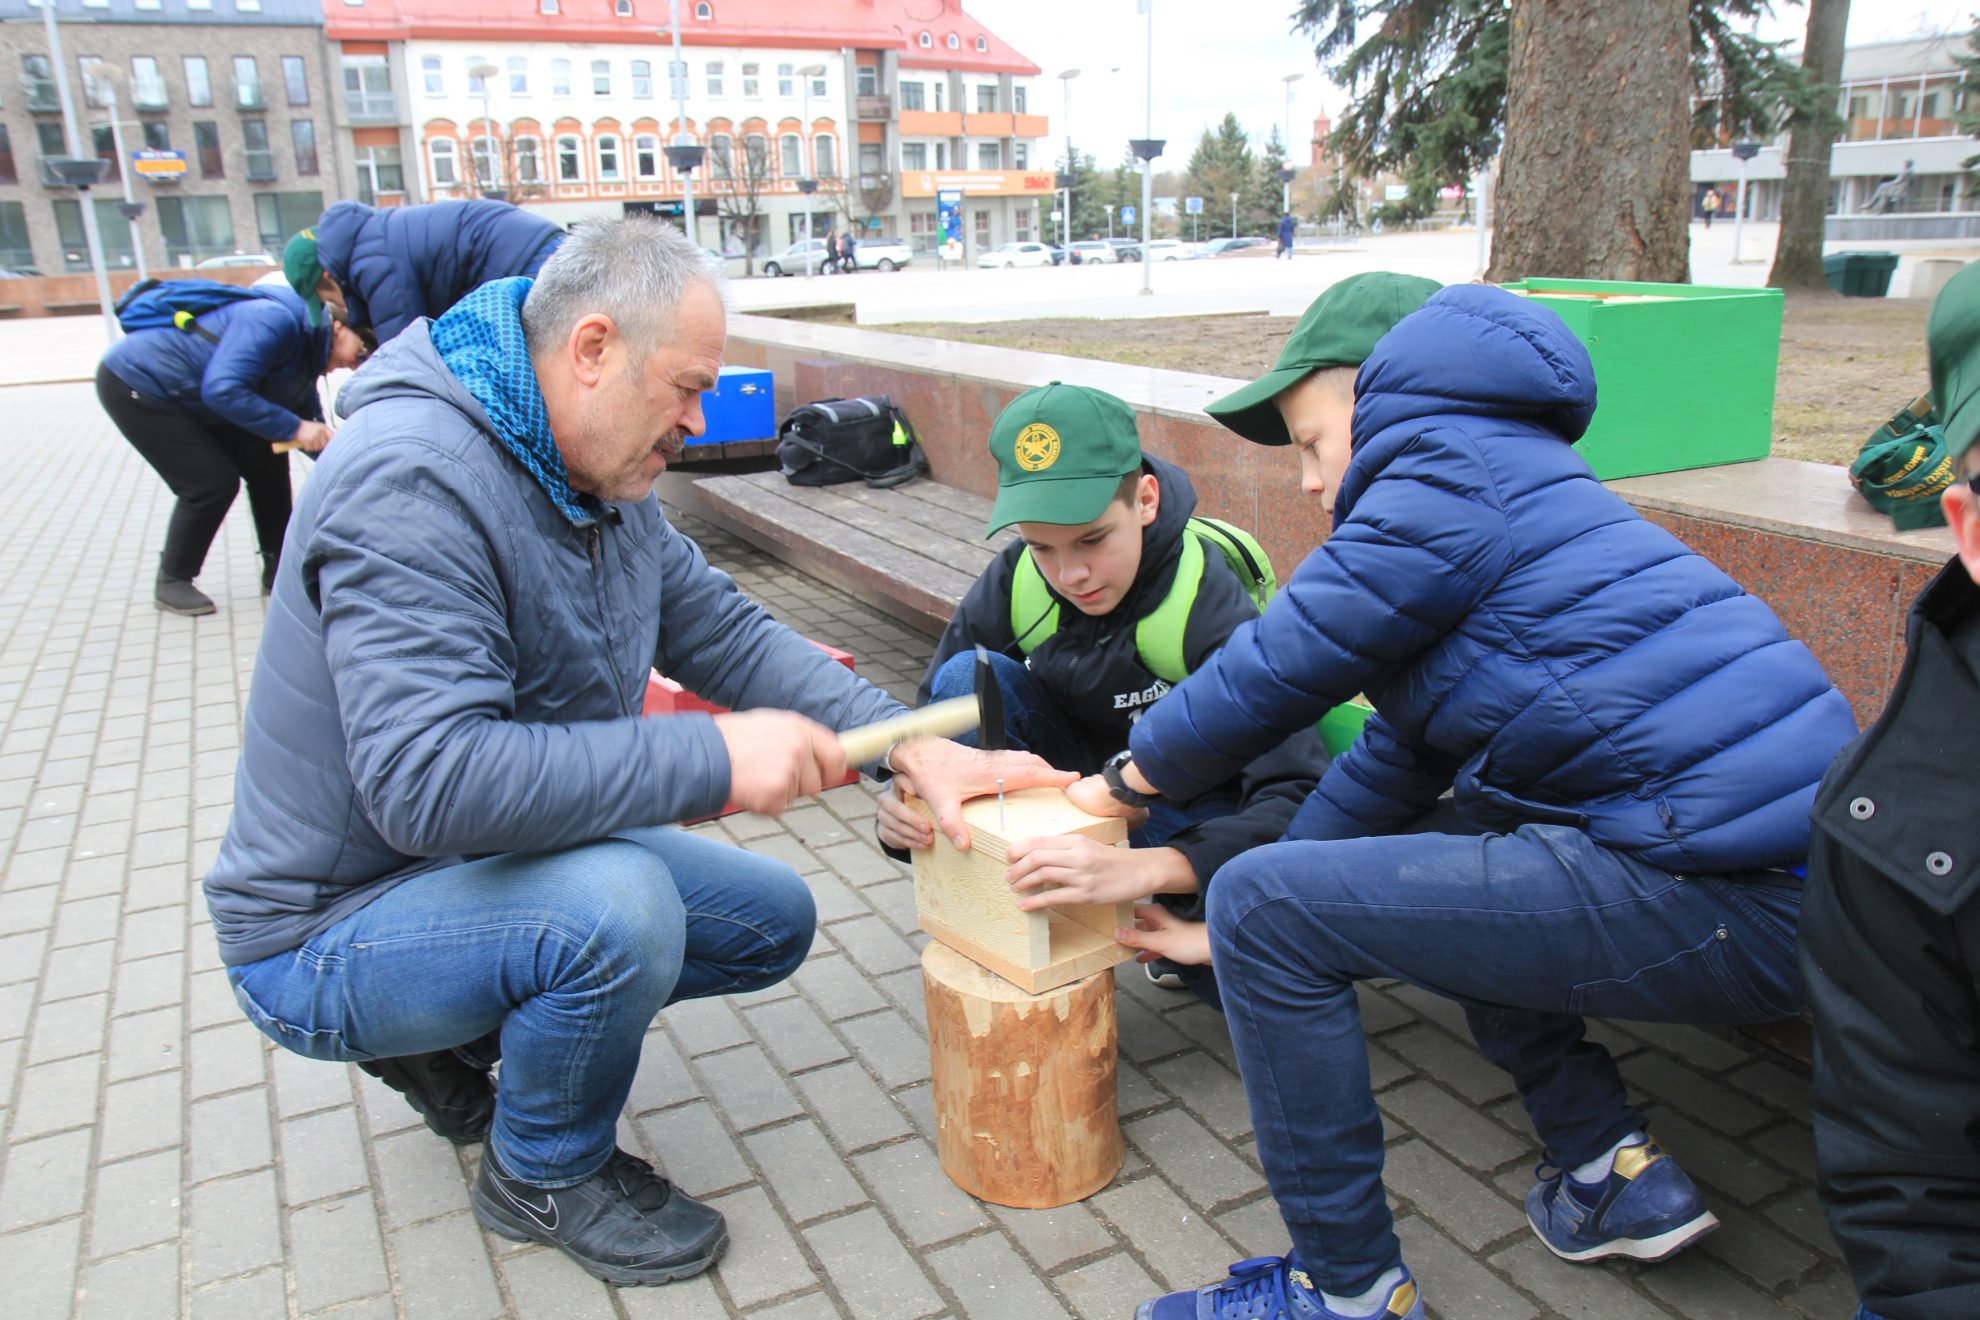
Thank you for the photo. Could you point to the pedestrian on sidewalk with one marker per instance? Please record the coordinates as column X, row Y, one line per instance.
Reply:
column 204, row 405
column 386, row 268
column 1710, row 205
column 451, row 841
column 1285, row 238
column 1114, row 592
column 1890, row 932
column 1630, row 744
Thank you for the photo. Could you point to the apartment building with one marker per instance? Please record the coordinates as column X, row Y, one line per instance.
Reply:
column 566, row 106
column 1897, row 101
column 222, row 107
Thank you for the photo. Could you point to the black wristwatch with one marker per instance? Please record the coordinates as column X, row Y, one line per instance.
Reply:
column 1110, row 774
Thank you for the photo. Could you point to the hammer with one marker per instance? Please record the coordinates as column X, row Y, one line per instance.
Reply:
column 983, row 711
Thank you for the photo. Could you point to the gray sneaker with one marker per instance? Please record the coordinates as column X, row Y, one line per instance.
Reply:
column 624, row 1224
column 180, row 596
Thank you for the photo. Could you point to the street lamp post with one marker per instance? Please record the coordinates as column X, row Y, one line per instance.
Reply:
column 1109, row 209
column 1745, row 150
column 683, row 153
column 487, row 72
column 80, row 171
column 1146, row 149
column 130, row 208
column 1065, row 216
column 1234, row 201
column 809, row 183
column 1286, row 173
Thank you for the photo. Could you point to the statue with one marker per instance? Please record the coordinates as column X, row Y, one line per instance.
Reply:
column 1893, row 194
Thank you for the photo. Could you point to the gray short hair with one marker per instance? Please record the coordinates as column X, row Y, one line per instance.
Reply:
column 634, row 269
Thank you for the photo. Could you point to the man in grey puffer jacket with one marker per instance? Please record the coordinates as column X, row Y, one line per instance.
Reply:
column 450, row 843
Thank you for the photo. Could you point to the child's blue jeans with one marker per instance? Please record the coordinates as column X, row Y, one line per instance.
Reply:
column 1528, row 931
column 555, row 963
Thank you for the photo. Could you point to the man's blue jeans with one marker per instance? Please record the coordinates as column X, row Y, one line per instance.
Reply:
column 1528, row 931
column 555, row 963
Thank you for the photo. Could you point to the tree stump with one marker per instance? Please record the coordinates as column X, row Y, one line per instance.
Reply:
column 1024, row 1083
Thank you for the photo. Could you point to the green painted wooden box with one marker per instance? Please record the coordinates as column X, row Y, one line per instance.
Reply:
column 1684, row 374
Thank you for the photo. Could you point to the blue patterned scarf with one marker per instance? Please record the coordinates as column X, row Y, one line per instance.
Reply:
column 481, row 341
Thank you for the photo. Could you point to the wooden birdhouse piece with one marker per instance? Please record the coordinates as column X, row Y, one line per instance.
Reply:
column 965, row 902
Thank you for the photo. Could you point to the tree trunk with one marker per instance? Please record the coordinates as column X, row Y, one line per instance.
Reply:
column 1595, row 179
column 1805, row 196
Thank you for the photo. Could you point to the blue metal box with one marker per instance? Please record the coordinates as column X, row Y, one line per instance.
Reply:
column 742, row 406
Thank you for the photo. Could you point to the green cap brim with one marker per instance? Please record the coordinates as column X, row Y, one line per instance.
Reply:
column 1064, row 503
column 1250, row 411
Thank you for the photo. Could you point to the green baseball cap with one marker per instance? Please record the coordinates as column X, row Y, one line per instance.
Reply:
column 304, row 272
column 1952, row 340
column 1340, row 329
column 1061, row 452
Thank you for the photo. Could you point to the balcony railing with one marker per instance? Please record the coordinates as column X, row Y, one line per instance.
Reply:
column 260, row 166
column 39, row 93
column 371, row 106
column 248, row 96
column 150, row 95
column 873, row 107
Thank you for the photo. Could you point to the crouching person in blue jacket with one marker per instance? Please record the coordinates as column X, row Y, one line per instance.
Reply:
column 204, row 404
column 386, row 268
column 451, row 838
column 1629, row 742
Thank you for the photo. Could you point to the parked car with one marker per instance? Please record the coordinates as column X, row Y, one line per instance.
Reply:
column 881, row 253
column 238, row 259
column 1223, row 247
column 1058, row 254
column 1092, row 251
column 805, row 254
column 1125, row 249
column 1169, row 249
column 1011, row 255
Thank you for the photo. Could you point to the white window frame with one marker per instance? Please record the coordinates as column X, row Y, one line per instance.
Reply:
column 560, row 77
column 637, row 65
column 601, row 77
column 517, row 68
column 646, row 146
column 450, row 157
column 577, row 156
column 433, row 75
column 704, row 11
column 954, row 42
column 926, row 41
column 533, row 157
column 825, row 155
column 713, row 73
column 790, row 155
column 752, row 82
column 721, row 156
column 623, row 8
column 787, row 81
column 617, row 146
column 476, row 86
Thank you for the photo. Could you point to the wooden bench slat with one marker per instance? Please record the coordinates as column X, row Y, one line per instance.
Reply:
column 887, row 522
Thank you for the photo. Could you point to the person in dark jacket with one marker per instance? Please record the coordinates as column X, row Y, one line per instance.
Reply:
column 204, row 406
column 1106, row 572
column 1630, row 744
column 1285, row 238
column 386, row 268
column 1890, row 930
column 452, row 835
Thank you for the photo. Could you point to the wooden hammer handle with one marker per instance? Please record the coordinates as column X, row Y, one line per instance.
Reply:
column 944, row 719
column 284, row 446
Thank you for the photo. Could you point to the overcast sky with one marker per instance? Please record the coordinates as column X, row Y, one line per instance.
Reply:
column 1237, row 62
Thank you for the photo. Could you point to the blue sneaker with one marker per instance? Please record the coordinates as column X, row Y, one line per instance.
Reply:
column 1863, row 1312
column 1270, row 1288
column 1646, row 1210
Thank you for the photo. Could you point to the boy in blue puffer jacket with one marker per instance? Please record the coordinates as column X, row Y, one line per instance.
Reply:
column 1631, row 745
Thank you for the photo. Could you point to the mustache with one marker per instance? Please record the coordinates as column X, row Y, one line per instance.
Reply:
column 673, row 444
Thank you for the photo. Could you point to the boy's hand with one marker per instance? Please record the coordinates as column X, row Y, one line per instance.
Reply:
column 1160, row 933
column 943, row 774
column 898, row 824
column 1070, row 868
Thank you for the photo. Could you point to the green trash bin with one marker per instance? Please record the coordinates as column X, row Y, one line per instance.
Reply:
column 1860, row 274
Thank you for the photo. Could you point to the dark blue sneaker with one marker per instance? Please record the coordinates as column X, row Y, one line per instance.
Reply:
column 1865, row 1313
column 1646, row 1210
column 1270, row 1288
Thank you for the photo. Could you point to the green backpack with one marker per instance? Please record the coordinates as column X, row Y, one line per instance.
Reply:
column 1903, row 466
column 1158, row 637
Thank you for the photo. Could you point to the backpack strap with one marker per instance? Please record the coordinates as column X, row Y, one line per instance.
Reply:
column 1245, row 555
column 1159, row 635
column 1034, row 612
column 189, row 322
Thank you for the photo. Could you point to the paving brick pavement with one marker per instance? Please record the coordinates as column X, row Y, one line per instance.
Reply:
column 161, row 1159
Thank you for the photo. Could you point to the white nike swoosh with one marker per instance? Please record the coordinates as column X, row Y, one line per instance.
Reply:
column 544, row 1216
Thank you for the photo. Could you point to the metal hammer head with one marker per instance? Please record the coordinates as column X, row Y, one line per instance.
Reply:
column 990, row 703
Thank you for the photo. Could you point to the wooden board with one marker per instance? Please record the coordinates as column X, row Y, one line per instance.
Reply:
column 963, row 899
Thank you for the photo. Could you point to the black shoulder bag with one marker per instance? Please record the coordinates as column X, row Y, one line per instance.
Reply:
column 833, row 440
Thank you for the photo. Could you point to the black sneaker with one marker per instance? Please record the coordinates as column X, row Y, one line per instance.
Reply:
column 453, row 1096
column 624, row 1224
column 180, row 596
column 1166, row 974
